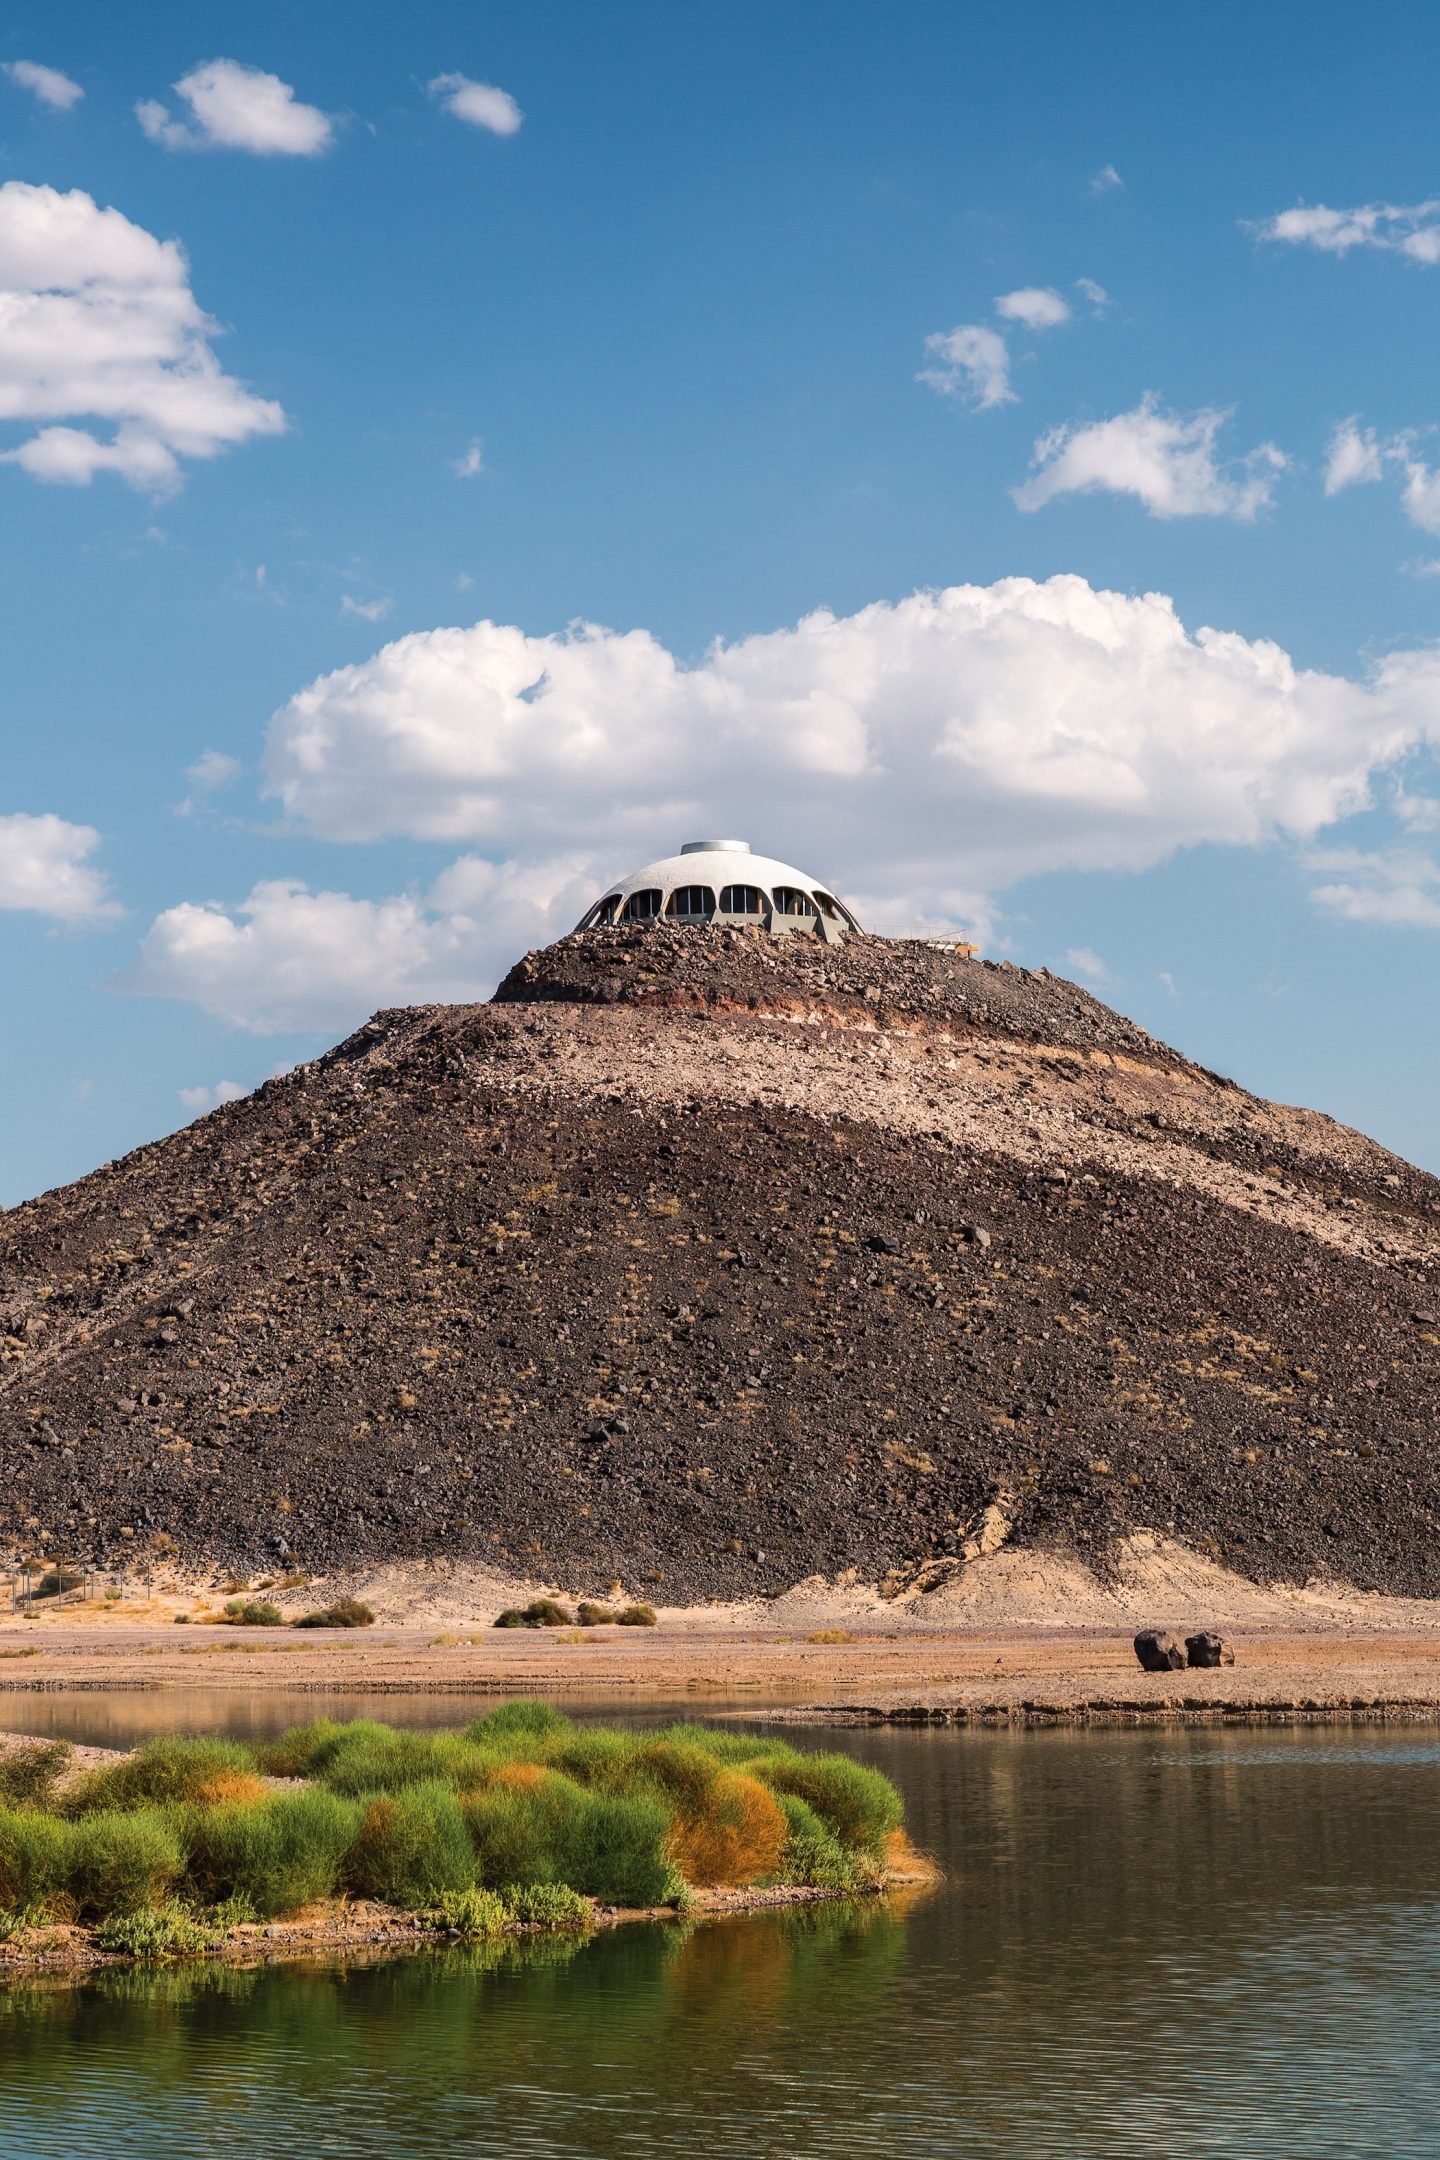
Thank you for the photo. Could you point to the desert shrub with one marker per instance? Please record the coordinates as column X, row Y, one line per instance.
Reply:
column 589, row 1614
column 549, row 1904
column 348, row 1612
column 412, row 1846
column 162, row 1770
column 728, row 1829
column 636, row 1616
column 545, row 1828
column 376, row 1759
column 253, row 1612
column 34, row 1859
column 813, row 1854
column 860, row 1806
column 305, row 1750
column 522, row 1721
column 121, row 1861
column 540, row 1612
column 28, row 1774
column 830, row 1635
column 57, row 1580
column 164, row 1931
column 476, row 1914
column 279, row 1855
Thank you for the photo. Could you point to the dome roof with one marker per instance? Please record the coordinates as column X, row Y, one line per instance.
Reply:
column 712, row 881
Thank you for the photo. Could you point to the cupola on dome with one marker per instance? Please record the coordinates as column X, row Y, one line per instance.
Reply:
column 720, row 881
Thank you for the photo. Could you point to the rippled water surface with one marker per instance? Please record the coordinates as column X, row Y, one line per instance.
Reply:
column 1204, row 1943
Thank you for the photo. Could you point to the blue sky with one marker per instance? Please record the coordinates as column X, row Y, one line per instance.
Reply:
column 371, row 327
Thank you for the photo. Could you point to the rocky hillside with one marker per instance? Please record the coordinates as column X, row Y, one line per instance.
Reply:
column 712, row 1261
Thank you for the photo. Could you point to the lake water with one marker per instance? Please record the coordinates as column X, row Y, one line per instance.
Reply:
column 1168, row 1945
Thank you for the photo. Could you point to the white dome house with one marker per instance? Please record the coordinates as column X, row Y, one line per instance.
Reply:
column 720, row 881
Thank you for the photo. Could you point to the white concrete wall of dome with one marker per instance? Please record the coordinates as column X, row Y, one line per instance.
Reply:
column 724, row 882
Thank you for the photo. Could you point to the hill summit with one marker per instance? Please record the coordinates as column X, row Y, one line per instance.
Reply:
column 712, row 1260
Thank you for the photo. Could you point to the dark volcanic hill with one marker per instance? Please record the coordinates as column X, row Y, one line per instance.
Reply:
column 714, row 1260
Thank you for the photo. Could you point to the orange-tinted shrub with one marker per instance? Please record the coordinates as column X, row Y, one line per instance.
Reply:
column 737, row 1836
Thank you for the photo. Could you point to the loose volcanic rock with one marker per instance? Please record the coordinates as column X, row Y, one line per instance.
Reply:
column 1157, row 1652
column 711, row 1260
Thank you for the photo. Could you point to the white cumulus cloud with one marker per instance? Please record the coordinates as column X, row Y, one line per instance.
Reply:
column 924, row 754
column 1411, row 229
column 289, row 959
column 972, row 364
column 234, row 107
column 1038, row 307
column 45, row 83
column 973, row 734
column 1168, row 461
column 213, row 769
column 1358, row 455
column 45, row 868
column 199, row 1100
column 481, row 104
column 472, row 464
column 1354, row 456
column 98, row 322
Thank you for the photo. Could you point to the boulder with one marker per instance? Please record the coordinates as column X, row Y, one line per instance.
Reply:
column 1158, row 1651
column 1207, row 1649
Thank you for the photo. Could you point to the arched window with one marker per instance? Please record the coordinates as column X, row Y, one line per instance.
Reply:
column 604, row 911
column 691, row 903
column 789, row 900
column 837, row 911
column 642, row 906
column 742, row 900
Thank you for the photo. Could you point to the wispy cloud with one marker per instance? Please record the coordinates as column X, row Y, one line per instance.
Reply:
column 481, row 104
column 1104, row 180
column 45, row 83
column 367, row 610
column 472, row 463
column 1411, row 229
column 972, row 365
column 1399, row 886
column 1168, row 461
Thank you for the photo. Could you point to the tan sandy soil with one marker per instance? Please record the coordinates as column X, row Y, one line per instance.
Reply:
column 1014, row 1635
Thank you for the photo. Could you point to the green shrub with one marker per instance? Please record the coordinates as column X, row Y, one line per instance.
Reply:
column 609, row 1846
column 588, row 1614
column 547, row 1904
column 540, row 1612
column 348, row 1612
column 34, row 1859
column 636, row 1616
column 165, row 1770
column 525, row 1719
column 412, row 1846
column 28, row 1774
column 377, row 1759
column 860, row 1806
column 253, row 1612
column 277, row 1855
column 477, row 1914
column 120, row 1862
column 813, row 1854
column 305, row 1750
column 165, row 1931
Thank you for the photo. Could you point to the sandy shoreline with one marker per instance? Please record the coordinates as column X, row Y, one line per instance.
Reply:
column 961, row 1676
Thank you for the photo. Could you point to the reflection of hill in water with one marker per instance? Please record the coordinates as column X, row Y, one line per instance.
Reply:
column 1176, row 1945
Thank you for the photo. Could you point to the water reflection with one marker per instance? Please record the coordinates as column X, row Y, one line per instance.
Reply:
column 1174, row 1946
